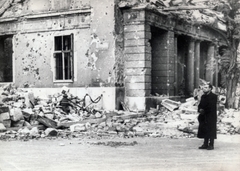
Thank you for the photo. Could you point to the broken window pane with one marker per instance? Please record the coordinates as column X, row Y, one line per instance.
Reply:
column 63, row 57
column 6, row 67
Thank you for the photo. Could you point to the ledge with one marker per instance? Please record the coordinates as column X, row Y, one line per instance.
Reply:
column 46, row 15
column 53, row 14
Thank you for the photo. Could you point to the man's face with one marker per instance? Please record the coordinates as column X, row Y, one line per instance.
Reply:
column 206, row 88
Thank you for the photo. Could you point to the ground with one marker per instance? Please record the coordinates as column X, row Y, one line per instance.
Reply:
column 108, row 154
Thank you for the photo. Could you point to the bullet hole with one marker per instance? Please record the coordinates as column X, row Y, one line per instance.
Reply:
column 38, row 34
column 25, row 69
column 106, row 13
column 27, row 44
column 33, row 40
column 37, row 71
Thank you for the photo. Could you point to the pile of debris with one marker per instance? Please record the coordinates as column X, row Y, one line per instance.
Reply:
column 23, row 117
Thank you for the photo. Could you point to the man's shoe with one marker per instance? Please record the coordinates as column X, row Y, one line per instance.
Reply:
column 210, row 147
column 203, row 147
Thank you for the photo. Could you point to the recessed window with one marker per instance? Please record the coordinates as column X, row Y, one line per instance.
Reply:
column 6, row 63
column 63, row 55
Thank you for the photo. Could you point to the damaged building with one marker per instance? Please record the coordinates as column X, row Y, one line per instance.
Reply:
column 136, row 52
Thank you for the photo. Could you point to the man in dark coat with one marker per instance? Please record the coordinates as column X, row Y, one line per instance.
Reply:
column 207, row 118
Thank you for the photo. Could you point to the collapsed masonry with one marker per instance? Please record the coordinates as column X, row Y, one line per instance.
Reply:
column 23, row 116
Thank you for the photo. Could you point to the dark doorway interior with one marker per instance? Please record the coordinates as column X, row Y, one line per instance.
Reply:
column 160, row 63
column 6, row 62
column 203, row 59
column 182, row 54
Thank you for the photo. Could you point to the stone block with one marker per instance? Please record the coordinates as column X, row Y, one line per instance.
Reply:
column 7, row 123
column 138, row 57
column 137, row 64
column 4, row 116
column 19, row 123
column 138, row 71
column 138, row 79
column 27, row 112
column 137, row 49
column 16, row 114
column 51, row 132
column 24, row 131
column 138, row 93
column 34, row 132
column 78, row 127
column 98, row 115
column 137, row 27
column 2, row 127
column 136, row 103
column 137, row 86
column 136, row 42
column 4, row 109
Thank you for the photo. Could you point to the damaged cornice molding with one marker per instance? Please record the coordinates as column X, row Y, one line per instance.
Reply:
column 46, row 15
column 185, row 8
column 53, row 14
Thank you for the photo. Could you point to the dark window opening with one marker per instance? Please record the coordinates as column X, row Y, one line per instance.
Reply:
column 63, row 53
column 6, row 62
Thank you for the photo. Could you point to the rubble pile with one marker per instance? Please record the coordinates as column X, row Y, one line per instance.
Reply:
column 24, row 117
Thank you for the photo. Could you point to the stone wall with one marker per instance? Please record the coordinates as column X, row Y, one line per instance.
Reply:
column 34, row 25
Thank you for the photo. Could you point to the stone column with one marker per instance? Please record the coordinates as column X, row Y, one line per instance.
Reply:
column 190, row 66
column 137, row 51
column 176, row 65
column 210, row 61
column 197, row 64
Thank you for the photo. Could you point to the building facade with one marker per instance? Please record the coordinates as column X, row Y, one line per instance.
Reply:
column 129, row 54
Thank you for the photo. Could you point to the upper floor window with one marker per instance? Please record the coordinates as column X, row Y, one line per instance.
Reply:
column 63, row 55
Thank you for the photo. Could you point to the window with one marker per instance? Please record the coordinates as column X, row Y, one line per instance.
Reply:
column 6, row 63
column 63, row 55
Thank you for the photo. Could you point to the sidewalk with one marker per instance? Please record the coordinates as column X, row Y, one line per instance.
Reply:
column 149, row 154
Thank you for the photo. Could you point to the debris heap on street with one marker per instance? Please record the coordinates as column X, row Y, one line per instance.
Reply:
column 24, row 116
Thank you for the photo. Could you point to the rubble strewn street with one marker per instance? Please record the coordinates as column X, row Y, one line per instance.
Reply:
column 24, row 116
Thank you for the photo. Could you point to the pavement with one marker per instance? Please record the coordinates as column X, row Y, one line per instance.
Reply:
column 146, row 154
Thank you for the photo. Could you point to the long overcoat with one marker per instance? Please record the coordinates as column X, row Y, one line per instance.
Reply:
column 208, row 118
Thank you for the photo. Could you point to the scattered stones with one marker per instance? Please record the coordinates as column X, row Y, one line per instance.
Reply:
column 169, row 119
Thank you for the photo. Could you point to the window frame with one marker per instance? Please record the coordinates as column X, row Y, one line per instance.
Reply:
column 63, row 54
